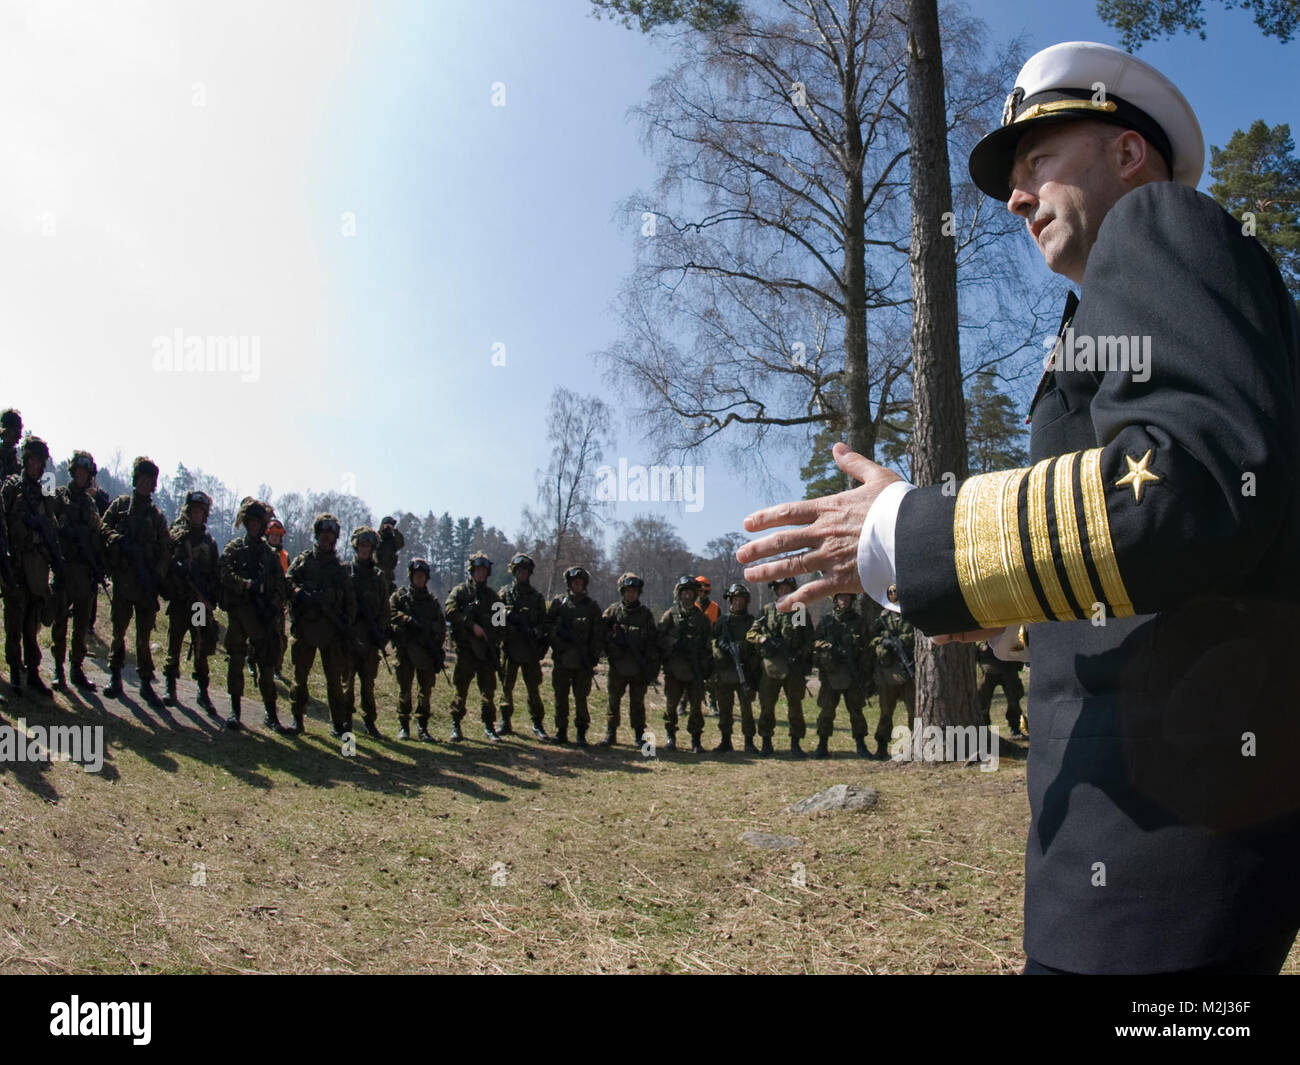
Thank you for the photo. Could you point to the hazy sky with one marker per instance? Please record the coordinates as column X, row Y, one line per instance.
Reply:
column 331, row 182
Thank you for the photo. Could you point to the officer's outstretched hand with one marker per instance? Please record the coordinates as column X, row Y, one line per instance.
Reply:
column 828, row 534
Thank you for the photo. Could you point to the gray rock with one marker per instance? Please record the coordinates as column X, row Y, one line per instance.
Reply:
column 837, row 797
column 770, row 841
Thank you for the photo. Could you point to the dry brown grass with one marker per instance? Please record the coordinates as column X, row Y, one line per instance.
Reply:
column 315, row 862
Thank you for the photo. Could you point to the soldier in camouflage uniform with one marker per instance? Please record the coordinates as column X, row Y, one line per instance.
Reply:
column 418, row 628
column 730, row 642
column 478, row 644
column 685, row 652
column 785, row 642
column 192, row 588
column 324, row 608
column 370, row 632
column 275, row 538
column 139, row 546
column 100, row 496
column 34, row 552
column 81, row 539
column 713, row 612
column 632, row 643
column 253, row 588
column 525, row 645
column 995, row 672
column 390, row 543
column 574, row 624
column 11, row 429
column 841, row 653
column 895, row 673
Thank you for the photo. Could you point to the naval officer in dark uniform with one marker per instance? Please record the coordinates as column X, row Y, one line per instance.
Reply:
column 1149, row 558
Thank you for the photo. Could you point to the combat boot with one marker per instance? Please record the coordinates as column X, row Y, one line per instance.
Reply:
column 795, row 750
column 232, row 722
column 403, row 728
column 539, row 732
column 422, row 733
column 272, row 720
column 37, row 685
column 882, row 751
column 611, row 737
column 823, row 747
column 148, row 694
column 724, row 746
column 456, row 734
column 562, row 736
column 638, row 739
column 489, row 733
column 863, row 752
column 766, row 752
column 60, row 681
column 79, row 678
column 696, row 747
column 114, row 689
column 671, row 743
column 170, row 698
column 505, row 728
column 582, row 737
column 372, row 730
column 15, row 679
column 298, row 725
column 204, row 700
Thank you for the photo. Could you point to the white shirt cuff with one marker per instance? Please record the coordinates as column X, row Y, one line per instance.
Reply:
column 876, row 566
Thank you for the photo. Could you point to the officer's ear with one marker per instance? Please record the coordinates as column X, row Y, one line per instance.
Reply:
column 1136, row 160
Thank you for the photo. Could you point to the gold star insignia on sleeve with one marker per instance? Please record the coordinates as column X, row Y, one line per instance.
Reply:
column 1137, row 475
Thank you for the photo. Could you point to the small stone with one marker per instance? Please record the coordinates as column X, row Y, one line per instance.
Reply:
column 837, row 797
column 770, row 841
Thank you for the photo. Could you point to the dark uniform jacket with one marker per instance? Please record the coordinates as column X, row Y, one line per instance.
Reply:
column 1162, row 782
column 840, row 650
column 471, row 604
column 324, row 605
column 25, row 507
column 418, row 627
column 525, row 632
column 684, row 643
column 257, row 608
column 370, row 587
column 139, row 546
column 632, row 641
column 576, row 632
column 193, row 570
column 732, row 630
column 81, row 539
column 791, row 650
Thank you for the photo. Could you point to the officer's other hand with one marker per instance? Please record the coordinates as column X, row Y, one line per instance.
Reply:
column 478, row 631
column 973, row 636
column 827, row 534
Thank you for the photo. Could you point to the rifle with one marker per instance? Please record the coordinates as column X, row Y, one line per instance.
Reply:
column 732, row 648
column 892, row 643
column 372, row 627
column 148, row 577
column 6, row 567
column 44, row 528
column 187, row 572
column 78, row 534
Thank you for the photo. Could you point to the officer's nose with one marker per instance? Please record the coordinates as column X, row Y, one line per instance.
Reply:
column 1021, row 202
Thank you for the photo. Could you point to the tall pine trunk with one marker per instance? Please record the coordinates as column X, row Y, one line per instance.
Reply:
column 945, row 676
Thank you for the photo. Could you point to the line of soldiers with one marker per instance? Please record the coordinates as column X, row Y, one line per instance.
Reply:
column 350, row 612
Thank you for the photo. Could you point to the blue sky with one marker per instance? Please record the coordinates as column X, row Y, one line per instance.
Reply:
column 334, row 180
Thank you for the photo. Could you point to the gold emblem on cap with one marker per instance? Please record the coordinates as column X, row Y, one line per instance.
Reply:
column 1009, row 108
column 1137, row 475
column 1064, row 105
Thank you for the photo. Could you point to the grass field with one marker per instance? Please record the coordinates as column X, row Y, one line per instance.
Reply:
column 198, row 850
